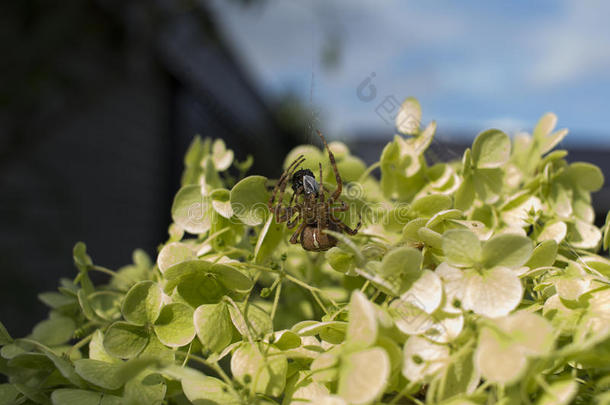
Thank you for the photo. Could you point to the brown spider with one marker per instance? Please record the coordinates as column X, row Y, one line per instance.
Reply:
column 315, row 211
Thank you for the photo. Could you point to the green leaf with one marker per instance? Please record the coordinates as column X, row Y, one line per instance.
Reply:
column 191, row 210
column 491, row 149
column 213, row 326
column 5, row 337
column 68, row 396
column 174, row 327
column 204, row 390
column 174, row 253
column 506, row 250
column 143, row 303
column 8, row 394
column 56, row 300
column 125, row 340
column 363, row 376
column 267, row 373
column 99, row 373
column 408, row 118
column 54, row 331
column 249, row 200
column 461, row 247
column 362, row 326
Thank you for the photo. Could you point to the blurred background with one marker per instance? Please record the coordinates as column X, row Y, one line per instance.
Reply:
column 100, row 98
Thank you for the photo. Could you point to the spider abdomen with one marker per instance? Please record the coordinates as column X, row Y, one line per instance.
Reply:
column 314, row 240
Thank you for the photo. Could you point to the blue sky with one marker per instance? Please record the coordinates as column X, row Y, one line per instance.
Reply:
column 472, row 65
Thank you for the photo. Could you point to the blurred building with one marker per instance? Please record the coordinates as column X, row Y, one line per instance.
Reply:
column 100, row 100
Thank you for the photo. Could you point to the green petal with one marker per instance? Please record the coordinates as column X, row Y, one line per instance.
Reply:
column 54, row 331
column 408, row 118
column 498, row 361
column 429, row 205
column 268, row 373
column 506, row 250
column 146, row 388
column 251, row 319
column 249, row 200
column 362, row 326
column 340, row 260
column 532, row 332
column 221, row 156
column 221, row 202
column 559, row 393
column 423, row 358
column 99, row 373
column 494, row 293
column 491, row 149
column 125, row 340
column 585, row 175
column 543, row 255
column 403, row 261
column 142, row 303
column 269, row 238
column 584, row 235
column 555, row 230
column 461, row 247
column 363, row 376
column 191, row 210
column 204, row 390
column 174, row 327
column 68, row 396
column 213, row 326
column 174, row 253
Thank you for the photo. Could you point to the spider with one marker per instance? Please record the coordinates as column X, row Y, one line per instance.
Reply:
column 310, row 206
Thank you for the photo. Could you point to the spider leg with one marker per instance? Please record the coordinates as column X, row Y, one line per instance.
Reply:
column 331, row 157
column 321, row 193
column 342, row 208
column 283, row 180
column 346, row 228
column 292, row 222
column 280, row 211
column 294, row 239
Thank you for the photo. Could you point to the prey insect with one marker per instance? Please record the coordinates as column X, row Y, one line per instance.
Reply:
column 312, row 208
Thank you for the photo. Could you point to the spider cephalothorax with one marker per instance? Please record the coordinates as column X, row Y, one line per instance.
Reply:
column 311, row 205
column 304, row 182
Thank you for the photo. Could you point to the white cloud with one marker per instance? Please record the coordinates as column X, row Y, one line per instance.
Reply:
column 572, row 46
